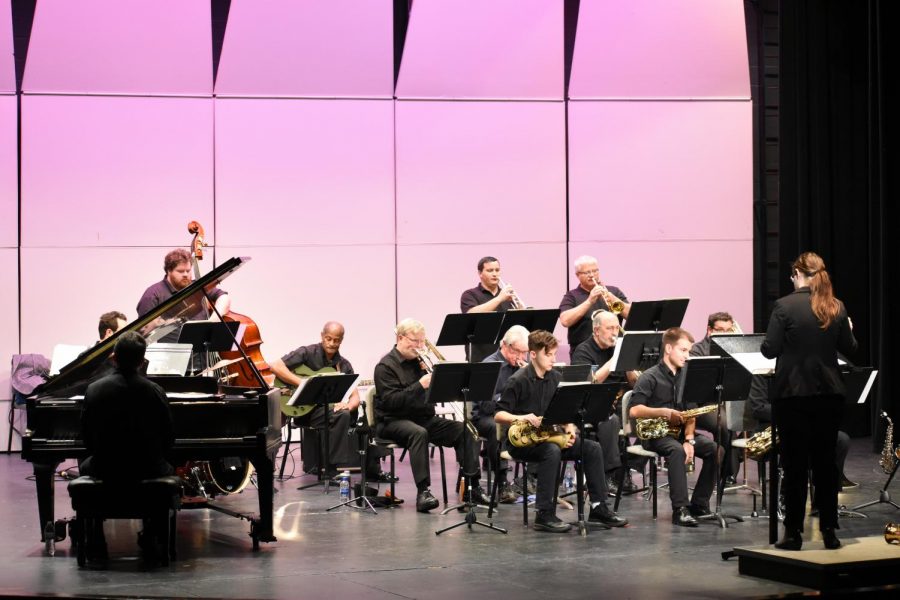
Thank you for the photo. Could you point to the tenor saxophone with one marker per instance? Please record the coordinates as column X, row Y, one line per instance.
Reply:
column 523, row 434
column 888, row 459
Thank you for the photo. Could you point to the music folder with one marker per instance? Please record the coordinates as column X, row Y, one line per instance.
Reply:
column 324, row 388
column 636, row 350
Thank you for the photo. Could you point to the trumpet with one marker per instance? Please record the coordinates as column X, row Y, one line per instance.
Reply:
column 427, row 364
column 615, row 305
column 518, row 303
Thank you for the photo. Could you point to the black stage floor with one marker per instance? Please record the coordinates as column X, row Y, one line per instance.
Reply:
column 395, row 554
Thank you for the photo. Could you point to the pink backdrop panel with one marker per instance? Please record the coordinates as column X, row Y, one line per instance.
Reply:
column 9, row 324
column 292, row 292
column 431, row 279
column 469, row 172
column 115, row 47
column 9, row 185
column 308, row 48
column 126, row 171
column 322, row 171
column 660, row 170
column 715, row 275
column 65, row 292
column 478, row 49
column 658, row 48
column 7, row 61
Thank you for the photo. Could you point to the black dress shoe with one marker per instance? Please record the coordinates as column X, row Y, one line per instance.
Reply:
column 698, row 511
column 548, row 521
column 425, row 501
column 846, row 483
column 628, row 485
column 682, row 516
column 790, row 541
column 830, row 539
column 381, row 477
column 612, row 486
column 601, row 515
column 507, row 495
column 477, row 498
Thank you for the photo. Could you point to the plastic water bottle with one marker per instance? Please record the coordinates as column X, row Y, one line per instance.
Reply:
column 568, row 480
column 345, row 486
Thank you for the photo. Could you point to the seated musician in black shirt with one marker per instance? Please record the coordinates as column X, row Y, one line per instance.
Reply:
column 342, row 447
column 598, row 350
column 654, row 396
column 512, row 354
column 591, row 295
column 526, row 397
column 403, row 414
column 126, row 423
column 487, row 296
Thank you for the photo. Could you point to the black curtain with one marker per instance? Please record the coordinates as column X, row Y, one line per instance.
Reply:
column 839, row 167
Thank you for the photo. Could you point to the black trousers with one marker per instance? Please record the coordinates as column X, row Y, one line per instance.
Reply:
column 548, row 456
column 415, row 437
column 487, row 428
column 343, row 449
column 722, row 435
column 807, row 433
column 705, row 449
column 608, row 436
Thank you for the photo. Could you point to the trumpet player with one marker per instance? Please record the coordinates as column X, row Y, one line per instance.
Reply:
column 403, row 414
column 488, row 296
column 598, row 350
column 654, row 396
column 513, row 354
column 591, row 295
column 526, row 396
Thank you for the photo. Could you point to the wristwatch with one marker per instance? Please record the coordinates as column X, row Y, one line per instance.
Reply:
column 691, row 441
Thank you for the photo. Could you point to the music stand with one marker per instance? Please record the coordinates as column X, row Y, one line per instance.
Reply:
column 456, row 382
column 208, row 336
column 573, row 373
column 714, row 380
column 530, row 318
column 322, row 391
column 468, row 329
column 656, row 315
column 637, row 351
column 580, row 403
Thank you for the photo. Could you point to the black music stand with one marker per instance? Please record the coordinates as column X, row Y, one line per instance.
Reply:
column 323, row 391
column 714, row 380
column 656, row 315
column 208, row 336
column 581, row 403
column 467, row 329
column 362, row 499
column 455, row 382
column 573, row 373
column 530, row 318
column 637, row 351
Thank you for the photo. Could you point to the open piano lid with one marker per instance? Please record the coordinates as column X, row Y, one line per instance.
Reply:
column 152, row 325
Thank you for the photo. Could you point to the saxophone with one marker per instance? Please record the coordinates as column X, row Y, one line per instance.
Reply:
column 889, row 457
column 759, row 444
column 523, row 434
column 654, row 428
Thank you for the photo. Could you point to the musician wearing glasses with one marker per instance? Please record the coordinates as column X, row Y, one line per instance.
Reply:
column 488, row 296
column 806, row 331
column 654, row 396
column 526, row 397
column 402, row 414
column 591, row 295
column 316, row 357
column 598, row 350
column 513, row 355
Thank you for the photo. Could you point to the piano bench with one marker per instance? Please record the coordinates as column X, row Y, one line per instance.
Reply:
column 94, row 500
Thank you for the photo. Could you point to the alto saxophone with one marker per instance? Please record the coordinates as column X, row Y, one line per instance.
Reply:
column 523, row 434
column 654, row 428
column 889, row 456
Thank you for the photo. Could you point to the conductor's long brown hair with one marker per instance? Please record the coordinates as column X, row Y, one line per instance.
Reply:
column 824, row 305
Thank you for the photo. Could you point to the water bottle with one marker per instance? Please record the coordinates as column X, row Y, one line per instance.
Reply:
column 568, row 480
column 345, row 486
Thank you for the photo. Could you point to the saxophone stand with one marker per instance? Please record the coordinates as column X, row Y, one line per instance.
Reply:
column 705, row 381
column 884, row 496
column 452, row 382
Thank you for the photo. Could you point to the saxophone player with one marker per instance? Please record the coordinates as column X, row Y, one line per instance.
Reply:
column 526, row 396
column 654, row 396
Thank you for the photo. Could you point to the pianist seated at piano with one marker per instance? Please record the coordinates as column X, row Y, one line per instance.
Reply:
column 126, row 424
column 323, row 357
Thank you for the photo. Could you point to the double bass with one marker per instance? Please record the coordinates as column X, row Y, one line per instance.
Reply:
column 240, row 373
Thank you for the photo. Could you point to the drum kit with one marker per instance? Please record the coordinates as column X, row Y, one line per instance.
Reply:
column 205, row 479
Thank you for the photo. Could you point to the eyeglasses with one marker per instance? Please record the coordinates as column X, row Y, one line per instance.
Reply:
column 591, row 272
column 414, row 341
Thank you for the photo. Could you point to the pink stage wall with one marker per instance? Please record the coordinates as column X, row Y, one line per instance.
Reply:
column 357, row 202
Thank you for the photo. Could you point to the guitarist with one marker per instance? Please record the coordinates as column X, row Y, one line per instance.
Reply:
column 343, row 447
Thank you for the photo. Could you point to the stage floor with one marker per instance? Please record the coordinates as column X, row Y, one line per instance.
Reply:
column 346, row 553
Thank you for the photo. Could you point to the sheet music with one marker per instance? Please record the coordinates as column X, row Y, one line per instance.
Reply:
column 63, row 354
column 304, row 381
column 867, row 388
column 755, row 362
column 615, row 357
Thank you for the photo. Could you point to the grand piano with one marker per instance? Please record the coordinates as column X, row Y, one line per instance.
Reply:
column 212, row 422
